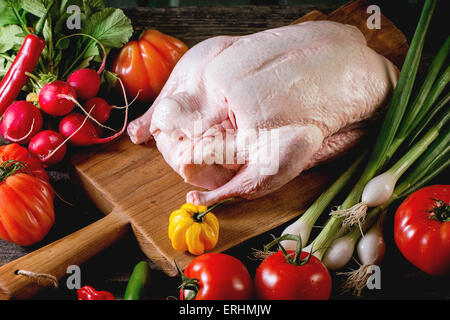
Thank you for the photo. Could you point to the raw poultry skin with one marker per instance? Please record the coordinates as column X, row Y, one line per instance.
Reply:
column 314, row 84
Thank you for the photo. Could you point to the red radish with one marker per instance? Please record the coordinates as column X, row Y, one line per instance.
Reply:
column 87, row 132
column 57, row 98
column 80, row 131
column 86, row 83
column 20, row 122
column 99, row 109
column 48, row 147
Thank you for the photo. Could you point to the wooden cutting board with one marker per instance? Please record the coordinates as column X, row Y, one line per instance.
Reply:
column 133, row 186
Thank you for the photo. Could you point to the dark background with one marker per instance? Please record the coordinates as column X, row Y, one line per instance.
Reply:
column 111, row 269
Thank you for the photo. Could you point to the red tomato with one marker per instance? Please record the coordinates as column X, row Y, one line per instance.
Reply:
column 422, row 229
column 277, row 279
column 146, row 64
column 218, row 277
column 26, row 197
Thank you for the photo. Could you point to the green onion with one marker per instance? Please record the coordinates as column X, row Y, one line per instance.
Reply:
column 425, row 169
column 424, row 123
column 423, row 100
column 388, row 131
column 305, row 223
column 432, row 162
column 379, row 189
column 401, row 94
column 371, row 249
column 383, row 145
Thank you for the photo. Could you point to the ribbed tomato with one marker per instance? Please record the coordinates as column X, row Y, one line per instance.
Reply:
column 26, row 197
column 145, row 65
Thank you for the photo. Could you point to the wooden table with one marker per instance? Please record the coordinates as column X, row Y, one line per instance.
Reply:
column 111, row 269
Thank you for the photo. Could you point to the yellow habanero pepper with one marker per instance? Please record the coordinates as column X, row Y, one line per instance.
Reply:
column 194, row 228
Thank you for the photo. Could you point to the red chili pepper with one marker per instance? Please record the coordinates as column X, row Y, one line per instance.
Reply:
column 16, row 77
column 89, row 293
column 25, row 61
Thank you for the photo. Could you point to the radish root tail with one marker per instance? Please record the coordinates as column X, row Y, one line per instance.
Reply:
column 64, row 142
column 62, row 199
column 125, row 121
column 131, row 102
column 7, row 137
column 88, row 114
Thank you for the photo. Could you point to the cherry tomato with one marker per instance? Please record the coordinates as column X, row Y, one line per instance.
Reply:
column 145, row 65
column 277, row 279
column 422, row 229
column 216, row 276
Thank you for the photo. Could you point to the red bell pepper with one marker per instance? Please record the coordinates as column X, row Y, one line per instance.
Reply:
column 89, row 293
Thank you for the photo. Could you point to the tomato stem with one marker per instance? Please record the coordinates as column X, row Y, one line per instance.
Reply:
column 10, row 167
column 440, row 212
column 298, row 251
column 187, row 284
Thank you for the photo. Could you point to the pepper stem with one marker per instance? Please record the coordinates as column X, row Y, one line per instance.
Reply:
column 200, row 216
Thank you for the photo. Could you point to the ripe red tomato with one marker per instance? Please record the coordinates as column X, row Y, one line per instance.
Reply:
column 217, row 276
column 422, row 229
column 277, row 279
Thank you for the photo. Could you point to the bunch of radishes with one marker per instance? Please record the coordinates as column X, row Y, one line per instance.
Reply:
column 22, row 121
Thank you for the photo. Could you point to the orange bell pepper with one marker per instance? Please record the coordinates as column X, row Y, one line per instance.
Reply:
column 145, row 65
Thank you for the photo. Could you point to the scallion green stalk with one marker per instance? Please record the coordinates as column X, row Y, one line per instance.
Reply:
column 401, row 94
column 379, row 189
column 397, row 107
column 426, row 120
column 423, row 101
column 421, row 112
column 389, row 128
column 305, row 223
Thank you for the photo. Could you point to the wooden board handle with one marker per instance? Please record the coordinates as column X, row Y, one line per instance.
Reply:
column 53, row 259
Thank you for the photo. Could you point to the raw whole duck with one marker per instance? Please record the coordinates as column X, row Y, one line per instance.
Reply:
column 294, row 96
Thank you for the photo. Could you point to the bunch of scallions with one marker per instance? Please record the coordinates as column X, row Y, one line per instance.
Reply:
column 412, row 147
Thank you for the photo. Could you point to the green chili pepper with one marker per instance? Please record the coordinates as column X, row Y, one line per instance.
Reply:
column 138, row 282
